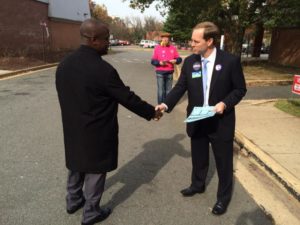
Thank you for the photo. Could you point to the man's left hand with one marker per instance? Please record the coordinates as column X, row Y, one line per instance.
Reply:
column 220, row 107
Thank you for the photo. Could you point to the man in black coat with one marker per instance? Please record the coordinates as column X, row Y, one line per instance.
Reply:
column 89, row 90
column 212, row 78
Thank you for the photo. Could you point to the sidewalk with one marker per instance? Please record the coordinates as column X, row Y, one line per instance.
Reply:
column 9, row 73
column 272, row 138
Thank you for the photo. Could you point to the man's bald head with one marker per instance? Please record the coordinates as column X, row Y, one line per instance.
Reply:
column 92, row 28
column 95, row 34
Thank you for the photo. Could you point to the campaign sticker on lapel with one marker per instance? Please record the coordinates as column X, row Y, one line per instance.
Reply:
column 196, row 66
column 196, row 74
column 218, row 67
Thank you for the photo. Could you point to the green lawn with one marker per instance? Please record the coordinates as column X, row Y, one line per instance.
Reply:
column 290, row 106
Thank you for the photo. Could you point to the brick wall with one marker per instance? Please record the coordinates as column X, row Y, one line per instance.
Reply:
column 285, row 46
column 22, row 34
column 20, row 30
column 64, row 35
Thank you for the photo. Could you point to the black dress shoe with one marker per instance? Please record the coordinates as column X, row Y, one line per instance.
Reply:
column 75, row 208
column 219, row 208
column 190, row 191
column 104, row 214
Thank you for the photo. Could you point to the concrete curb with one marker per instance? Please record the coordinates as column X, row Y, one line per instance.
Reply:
column 285, row 178
column 251, row 83
column 16, row 72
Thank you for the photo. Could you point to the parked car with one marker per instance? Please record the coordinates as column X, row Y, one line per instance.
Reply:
column 114, row 42
column 148, row 43
column 123, row 42
column 245, row 48
column 143, row 42
column 249, row 48
column 265, row 49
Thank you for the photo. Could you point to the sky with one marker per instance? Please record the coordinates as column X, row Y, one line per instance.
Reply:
column 121, row 9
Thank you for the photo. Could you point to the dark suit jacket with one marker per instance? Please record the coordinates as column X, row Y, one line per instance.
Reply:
column 227, row 85
column 89, row 90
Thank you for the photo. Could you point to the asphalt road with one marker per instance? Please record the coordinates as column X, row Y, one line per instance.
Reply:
column 154, row 159
column 269, row 92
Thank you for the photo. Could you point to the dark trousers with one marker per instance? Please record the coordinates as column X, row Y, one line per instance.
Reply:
column 92, row 193
column 223, row 153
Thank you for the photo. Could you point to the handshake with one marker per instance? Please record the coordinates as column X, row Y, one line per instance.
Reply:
column 159, row 111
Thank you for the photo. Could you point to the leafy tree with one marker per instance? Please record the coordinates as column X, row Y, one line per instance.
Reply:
column 282, row 13
column 180, row 25
column 152, row 24
column 174, row 25
column 119, row 29
column 136, row 28
column 99, row 12
column 232, row 16
column 132, row 29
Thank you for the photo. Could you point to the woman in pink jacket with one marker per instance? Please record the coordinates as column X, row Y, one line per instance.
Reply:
column 164, row 57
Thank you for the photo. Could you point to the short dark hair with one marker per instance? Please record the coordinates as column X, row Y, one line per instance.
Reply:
column 210, row 30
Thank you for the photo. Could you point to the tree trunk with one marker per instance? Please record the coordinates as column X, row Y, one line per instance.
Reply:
column 259, row 35
column 234, row 39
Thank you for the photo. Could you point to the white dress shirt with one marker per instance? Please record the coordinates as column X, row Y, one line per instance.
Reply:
column 210, row 67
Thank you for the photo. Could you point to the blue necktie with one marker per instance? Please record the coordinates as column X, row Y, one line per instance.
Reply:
column 204, row 78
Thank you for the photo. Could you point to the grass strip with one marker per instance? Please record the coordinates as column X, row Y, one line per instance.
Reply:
column 290, row 106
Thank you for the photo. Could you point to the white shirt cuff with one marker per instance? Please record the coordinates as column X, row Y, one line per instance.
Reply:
column 165, row 106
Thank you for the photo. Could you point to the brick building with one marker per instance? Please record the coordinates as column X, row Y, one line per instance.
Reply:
column 285, row 47
column 34, row 26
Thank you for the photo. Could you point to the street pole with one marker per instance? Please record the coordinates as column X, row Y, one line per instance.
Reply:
column 43, row 40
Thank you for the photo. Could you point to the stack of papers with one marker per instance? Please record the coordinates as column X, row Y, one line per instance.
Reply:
column 200, row 113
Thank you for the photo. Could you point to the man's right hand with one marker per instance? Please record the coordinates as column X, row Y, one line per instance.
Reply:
column 162, row 107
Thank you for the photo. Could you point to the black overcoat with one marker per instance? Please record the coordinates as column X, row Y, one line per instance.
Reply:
column 227, row 85
column 89, row 90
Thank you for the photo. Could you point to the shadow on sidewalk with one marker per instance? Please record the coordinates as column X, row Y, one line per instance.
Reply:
column 254, row 217
column 144, row 167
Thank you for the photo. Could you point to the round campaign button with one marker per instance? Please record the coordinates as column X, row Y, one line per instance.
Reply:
column 196, row 66
column 218, row 67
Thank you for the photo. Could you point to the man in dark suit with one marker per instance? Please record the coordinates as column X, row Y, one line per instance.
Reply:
column 89, row 90
column 212, row 78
